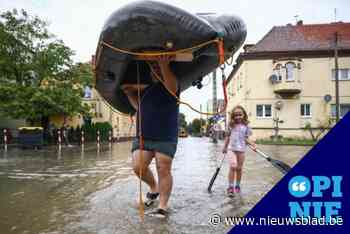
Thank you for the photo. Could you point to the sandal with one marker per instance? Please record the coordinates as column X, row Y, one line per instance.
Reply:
column 230, row 191
column 237, row 189
column 159, row 213
column 151, row 198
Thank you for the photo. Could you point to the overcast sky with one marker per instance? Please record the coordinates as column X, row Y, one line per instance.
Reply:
column 79, row 23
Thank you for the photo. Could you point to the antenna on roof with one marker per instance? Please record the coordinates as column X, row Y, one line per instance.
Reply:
column 296, row 18
column 335, row 14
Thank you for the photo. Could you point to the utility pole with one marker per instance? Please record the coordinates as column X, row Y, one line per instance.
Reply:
column 214, row 105
column 207, row 111
column 214, row 92
column 200, row 120
column 336, row 76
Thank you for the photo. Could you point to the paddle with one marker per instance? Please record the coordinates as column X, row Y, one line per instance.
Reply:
column 215, row 175
column 283, row 167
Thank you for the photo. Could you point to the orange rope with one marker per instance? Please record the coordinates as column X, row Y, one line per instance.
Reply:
column 141, row 207
column 141, row 140
column 159, row 53
column 221, row 52
column 187, row 104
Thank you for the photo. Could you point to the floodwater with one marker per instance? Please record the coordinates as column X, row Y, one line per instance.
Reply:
column 95, row 191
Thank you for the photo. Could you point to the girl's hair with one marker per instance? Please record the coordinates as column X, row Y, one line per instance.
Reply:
column 245, row 116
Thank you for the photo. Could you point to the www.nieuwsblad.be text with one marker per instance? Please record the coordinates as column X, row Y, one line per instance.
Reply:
column 217, row 219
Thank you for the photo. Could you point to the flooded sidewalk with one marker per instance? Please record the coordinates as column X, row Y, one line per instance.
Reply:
column 96, row 191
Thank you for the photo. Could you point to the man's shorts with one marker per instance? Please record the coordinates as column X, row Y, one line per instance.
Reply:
column 165, row 147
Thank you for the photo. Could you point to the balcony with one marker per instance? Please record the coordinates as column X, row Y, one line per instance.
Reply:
column 286, row 78
column 287, row 89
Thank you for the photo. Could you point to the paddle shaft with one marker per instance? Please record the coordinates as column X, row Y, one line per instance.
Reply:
column 262, row 154
column 213, row 178
column 283, row 167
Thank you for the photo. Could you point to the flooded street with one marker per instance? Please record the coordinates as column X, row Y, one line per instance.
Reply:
column 96, row 192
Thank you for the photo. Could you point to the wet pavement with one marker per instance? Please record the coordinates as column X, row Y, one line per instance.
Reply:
column 96, row 192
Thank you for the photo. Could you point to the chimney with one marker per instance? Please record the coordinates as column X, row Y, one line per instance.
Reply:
column 300, row 23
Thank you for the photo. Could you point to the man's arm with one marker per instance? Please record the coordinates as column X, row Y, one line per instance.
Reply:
column 132, row 99
column 169, row 77
column 131, row 91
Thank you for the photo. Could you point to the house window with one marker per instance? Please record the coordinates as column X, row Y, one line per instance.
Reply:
column 278, row 72
column 343, row 109
column 290, row 71
column 343, row 74
column 305, row 110
column 263, row 111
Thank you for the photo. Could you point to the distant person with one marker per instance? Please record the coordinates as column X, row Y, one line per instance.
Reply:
column 51, row 132
column 216, row 132
column 159, row 128
column 235, row 147
column 88, row 92
column 65, row 134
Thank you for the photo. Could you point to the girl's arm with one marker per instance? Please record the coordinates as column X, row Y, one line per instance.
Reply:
column 247, row 140
column 251, row 143
column 227, row 140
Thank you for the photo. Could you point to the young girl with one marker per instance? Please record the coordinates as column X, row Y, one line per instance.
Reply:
column 236, row 143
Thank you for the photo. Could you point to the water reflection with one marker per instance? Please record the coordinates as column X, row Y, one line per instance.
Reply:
column 94, row 191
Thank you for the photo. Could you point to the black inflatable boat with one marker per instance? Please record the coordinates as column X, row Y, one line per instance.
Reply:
column 157, row 27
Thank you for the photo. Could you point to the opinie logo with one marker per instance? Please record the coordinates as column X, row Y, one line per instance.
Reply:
column 303, row 187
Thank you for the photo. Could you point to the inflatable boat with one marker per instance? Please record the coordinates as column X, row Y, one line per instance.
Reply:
column 150, row 27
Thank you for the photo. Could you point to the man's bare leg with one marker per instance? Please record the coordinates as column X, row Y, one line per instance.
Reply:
column 165, row 179
column 147, row 175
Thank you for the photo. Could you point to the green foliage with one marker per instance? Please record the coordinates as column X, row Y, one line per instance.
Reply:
column 182, row 121
column 195, row 127
column 37, row 75
column 287, row 141
column 321, row 129
column 83, row 73
column 90, row 131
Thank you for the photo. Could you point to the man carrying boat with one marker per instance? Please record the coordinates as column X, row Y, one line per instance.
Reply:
column 157, row 123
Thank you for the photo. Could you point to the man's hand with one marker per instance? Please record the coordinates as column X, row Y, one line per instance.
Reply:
column 165, row 71
column 164, row 60
column 224, row 150
column 132, row 88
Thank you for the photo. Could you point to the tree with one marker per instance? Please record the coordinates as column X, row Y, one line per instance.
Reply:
column 195, row 126
column 37, row 75
column 182, row 121
column 321, row 129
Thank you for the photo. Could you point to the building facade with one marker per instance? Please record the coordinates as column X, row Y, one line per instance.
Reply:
column 210, row 104
column 123, row 125
column 288, row 78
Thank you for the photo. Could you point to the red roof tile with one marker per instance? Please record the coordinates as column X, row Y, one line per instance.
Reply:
column 304, row 37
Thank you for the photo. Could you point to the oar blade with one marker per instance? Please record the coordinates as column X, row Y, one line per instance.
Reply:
column 283, row 167
column 213, row 179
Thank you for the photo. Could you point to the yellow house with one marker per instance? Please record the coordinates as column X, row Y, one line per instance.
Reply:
column 289, row 77
column 123, row 126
